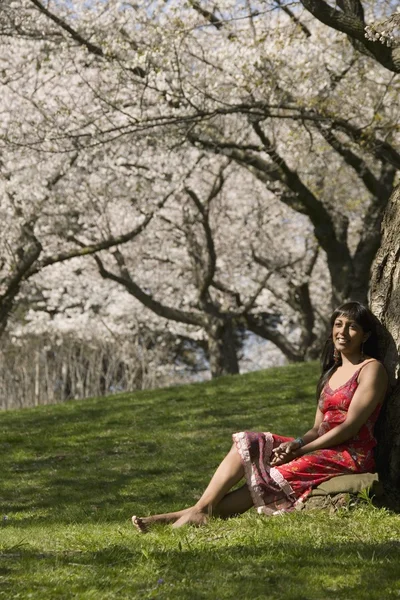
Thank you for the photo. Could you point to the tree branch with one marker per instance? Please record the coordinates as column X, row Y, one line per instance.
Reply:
column 223, row 288
column 89, row 249
column 12, row 283
column 82, row 41
column 147, row 300
column 257, row 325
column 252, row 300
column 208, row 276
column 72, row 32
column 293, row 17
column 321, row 219
column 351, row 23
column 358, row 164
column 353, row 7
column 381, row 149
column 335, row 246
column 218, row 24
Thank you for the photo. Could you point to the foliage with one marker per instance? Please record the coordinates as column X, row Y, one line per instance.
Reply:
column 72, row 475
column 115, row 116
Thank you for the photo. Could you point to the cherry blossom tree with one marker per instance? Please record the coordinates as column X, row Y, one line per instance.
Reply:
column 85, row 153
column 198, row 245
column 39, row 222
column 300, row 110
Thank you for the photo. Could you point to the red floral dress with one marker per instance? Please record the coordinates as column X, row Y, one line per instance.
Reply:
column 281, row 488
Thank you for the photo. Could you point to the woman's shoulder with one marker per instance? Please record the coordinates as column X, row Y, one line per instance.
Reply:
column 372, row 368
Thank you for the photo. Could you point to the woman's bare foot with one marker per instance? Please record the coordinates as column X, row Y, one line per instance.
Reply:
column 143, row 524
column 138, row 523
column 193, row 516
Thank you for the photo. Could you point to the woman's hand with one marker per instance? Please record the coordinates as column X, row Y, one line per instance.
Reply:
column 284, row 453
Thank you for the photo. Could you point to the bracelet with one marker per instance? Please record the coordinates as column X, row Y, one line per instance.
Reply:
column 300, row 441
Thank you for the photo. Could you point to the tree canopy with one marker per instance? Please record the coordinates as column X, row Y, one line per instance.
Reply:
column 227, row 165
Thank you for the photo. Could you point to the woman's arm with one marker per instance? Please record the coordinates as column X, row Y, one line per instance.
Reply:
column 370, row 392
column 312, row 433
column 283, row 451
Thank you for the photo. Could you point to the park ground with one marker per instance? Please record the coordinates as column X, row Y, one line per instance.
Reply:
column 73, row 474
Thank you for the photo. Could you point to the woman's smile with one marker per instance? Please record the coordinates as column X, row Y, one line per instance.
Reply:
column 347, row 335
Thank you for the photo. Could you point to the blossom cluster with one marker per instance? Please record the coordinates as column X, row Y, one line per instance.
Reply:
column 182, row 128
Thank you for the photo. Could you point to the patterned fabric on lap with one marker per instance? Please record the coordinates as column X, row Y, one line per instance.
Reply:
column 281, row 488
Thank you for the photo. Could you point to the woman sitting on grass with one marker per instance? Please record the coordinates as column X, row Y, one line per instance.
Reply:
column 280, row 471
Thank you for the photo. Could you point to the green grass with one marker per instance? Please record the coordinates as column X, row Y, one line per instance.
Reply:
column 72, row 475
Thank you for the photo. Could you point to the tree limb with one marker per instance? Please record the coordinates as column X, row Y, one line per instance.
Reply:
column 218, row 24
column 208, row 276
column 12, row 283
column 72, row 32
column 257, row 325
column 335, row 246
column 89, row 249
column 320, row 217
column 358, row 164
column 82, row 41
column 353, row 7
column 147, row 300
column 351, row 23
column 293, row 17
column 218, row 285
column 252, row 300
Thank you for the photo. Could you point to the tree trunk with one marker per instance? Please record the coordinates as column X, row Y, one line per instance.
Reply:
column 385, row 303
column 222, row 348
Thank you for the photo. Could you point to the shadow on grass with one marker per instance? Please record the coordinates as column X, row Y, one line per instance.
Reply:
column 144, row 451
column 278, row 570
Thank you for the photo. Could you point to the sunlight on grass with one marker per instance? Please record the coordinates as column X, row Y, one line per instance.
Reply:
column 73, row 474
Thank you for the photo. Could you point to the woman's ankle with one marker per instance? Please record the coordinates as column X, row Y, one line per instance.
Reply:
column 204, row 508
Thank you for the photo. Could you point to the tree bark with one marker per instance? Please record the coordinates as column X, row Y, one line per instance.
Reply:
column 11, row 284
column 222, row 348
column 349, row 274
column 385, row 303
column 350, row 20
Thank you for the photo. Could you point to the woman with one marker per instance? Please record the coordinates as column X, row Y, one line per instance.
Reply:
column 279, row 471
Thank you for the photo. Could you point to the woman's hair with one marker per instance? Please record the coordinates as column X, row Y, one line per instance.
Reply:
column 368, row 322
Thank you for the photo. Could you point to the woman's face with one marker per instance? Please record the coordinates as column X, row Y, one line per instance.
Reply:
column 348, row 336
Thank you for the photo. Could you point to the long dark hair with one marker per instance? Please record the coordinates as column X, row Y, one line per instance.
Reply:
column 368, row 322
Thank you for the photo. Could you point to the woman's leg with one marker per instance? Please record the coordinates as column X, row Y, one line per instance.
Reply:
column 229, row 472
column 214, row 500
column 234, row 503
column 143, row 523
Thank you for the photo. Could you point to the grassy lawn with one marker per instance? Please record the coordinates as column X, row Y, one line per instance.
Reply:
column 72, row 475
